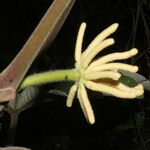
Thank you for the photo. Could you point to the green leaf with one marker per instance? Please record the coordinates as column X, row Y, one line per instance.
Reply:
column 128, row 77
column 61, row 88
column 128, row 81
column 24, row 100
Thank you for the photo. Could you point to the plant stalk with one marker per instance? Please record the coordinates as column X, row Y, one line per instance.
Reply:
column 51, row 76
column 42, row 36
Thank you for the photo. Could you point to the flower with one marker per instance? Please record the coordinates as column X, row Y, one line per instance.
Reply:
column 101, row 75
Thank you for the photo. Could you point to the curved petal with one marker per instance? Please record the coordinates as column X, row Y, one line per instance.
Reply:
column 85, row 104
column 138, row 90
column 78, row 47
column 71, row 95
column 112, row 66
column 99, row 87
column 102, row 74
column 113, row 57
column 95, row 51
column 100, row 37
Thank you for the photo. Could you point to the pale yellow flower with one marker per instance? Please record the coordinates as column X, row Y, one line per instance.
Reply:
column 102, row 74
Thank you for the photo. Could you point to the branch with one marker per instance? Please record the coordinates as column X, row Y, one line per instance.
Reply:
column 42, row 36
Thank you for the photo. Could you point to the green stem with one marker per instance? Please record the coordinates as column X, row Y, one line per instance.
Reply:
column 50, row 76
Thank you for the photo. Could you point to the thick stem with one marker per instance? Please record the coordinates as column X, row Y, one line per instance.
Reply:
column 51, row 76
column 42, row 36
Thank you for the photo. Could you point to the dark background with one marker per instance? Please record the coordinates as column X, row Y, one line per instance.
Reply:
column 50, row 125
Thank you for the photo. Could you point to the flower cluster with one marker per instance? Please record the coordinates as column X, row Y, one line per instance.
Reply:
column 102, row 74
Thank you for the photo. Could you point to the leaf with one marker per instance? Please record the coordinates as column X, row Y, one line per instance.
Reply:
column 137, row 78
column 61, row 89
column 58, row 92
column 130, row 82
column 24, row 100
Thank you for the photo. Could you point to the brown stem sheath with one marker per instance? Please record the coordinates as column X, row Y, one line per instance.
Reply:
column 42, row 36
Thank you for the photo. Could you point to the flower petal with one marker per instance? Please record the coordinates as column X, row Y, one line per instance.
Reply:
column 95, row 51
column 99, row 38
column 71, row 95
column 82, row 105
column 113, row 56
column 78, row 47
column 102, row 74
column 138, row 90
column 85, row 104
column 112, row 66
column 109, row 90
